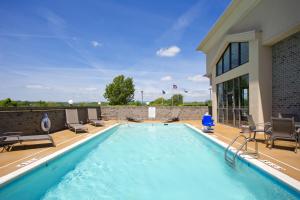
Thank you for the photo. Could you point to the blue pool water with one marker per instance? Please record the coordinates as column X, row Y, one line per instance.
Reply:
column 145, row 161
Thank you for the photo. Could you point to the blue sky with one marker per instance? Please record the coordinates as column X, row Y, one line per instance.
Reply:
column 56, row 50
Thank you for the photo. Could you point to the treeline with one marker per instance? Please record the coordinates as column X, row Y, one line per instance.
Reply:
column 177, row 101
column 12, row 103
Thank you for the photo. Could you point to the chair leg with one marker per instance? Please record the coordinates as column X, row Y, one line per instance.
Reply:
column 51, row 139
column 10, row 147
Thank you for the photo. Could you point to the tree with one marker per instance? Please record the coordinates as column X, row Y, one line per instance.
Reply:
column 120, row 91
column 7, row 102
column 177, row 99
column 158, row 101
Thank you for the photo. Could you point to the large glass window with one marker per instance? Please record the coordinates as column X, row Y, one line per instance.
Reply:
column 226, row 61
column 236, row 54
column 244, row 52
column 219, row 67
column 233, row 101
column 244, row 90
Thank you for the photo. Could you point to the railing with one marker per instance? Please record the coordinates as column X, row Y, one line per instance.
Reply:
column 244, row 144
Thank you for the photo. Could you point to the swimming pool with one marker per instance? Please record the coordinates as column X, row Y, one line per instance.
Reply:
column 146, row 161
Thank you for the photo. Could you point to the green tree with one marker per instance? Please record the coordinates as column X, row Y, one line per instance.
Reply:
column 177, row 99
column 120, row 91
column 7, row 102
column 158, row 101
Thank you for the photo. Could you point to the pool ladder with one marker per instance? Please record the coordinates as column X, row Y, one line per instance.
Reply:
column 231, row 159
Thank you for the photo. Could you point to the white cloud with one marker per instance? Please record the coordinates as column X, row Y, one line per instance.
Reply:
column 203, row 94
column 37, row 87
column 96, row 44
column 168, row 52
column 90, row 89
column 166, row 78
column 198, row 78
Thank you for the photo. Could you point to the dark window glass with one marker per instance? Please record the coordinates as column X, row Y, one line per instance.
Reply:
column 244, row 91
column 226, row 61
column 225, row 93
column 219, row 67
column 220, row 94
column 244, row 52
column 236, row 92
column 230, row 86
column 234, row 54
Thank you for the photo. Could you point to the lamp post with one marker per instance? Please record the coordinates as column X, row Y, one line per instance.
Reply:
column 142, row 93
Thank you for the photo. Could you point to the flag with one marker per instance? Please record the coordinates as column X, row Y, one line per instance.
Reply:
column 174, row 86
column 163, row 92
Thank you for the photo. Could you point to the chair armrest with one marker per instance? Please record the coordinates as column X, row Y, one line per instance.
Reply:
column 11, row 133
column 266, row 123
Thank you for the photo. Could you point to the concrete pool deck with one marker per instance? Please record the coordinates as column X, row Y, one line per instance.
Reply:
column 281, row 156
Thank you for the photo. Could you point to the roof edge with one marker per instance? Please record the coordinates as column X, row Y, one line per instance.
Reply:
column 241, row 5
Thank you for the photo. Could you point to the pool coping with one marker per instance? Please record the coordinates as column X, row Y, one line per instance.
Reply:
column 26, row 169
column 284, row 178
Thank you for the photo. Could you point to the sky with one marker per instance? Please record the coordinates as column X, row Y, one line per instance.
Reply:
column 57, row 50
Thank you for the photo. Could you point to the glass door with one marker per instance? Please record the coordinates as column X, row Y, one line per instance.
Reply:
column 233, row 101
column 230, row 108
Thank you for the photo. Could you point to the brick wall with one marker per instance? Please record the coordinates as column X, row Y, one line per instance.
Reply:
column 28, row 120
column 286, row 77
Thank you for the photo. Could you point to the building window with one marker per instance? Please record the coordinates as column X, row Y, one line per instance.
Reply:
column 233, row 101
column 219, row 67
column 244, row 46
column 236, row 54
column 226, row 60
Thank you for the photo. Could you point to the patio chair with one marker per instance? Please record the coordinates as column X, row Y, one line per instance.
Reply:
column 283, row 129
column 174, row 116
column 73, row 122
column 9, row 139
column 93, row 119
column 257, row 127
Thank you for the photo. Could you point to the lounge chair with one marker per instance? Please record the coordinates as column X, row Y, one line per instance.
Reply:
column 93, row 119
column 9, row 139
column 174, row 116
column 130, row 118
column 257, row 127
column 73, row 122
column 283, row 129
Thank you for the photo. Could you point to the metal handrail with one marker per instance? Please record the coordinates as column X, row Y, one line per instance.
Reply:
column 231, row 161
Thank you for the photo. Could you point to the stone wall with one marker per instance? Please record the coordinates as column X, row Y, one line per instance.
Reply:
column 286, row 77
column 28, row 120
column 162, row 112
